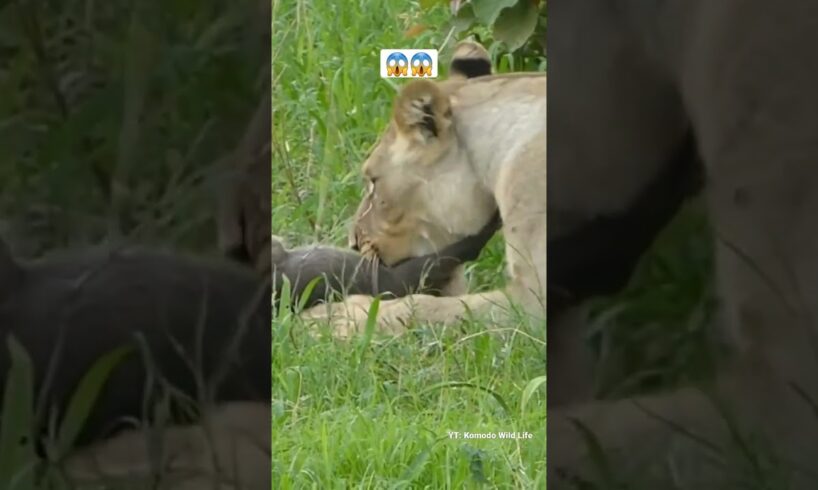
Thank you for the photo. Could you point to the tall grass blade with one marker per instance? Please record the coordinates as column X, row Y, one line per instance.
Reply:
column 16, row 423
column 85, row 396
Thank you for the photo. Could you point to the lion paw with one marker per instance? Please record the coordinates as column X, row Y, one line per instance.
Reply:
column 345, row 318
column 350, row 316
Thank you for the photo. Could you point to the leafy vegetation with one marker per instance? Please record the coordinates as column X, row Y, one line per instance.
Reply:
column 114, row 114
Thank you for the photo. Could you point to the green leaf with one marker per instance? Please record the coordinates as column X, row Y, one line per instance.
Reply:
column 305, row 295
column 16, row 424
column 529, row 390
column 463, row 20
column 369, row 329
column 284, row 299
column 415, row 468
column 486, row 11
column 459, row 384
column 427, row 4
column 85, row 396
column 516, row 24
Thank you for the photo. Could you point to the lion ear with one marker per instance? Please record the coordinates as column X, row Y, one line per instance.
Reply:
column 422, row 111
column 469, row 60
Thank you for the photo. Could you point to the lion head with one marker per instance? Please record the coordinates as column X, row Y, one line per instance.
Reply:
column 421, row 190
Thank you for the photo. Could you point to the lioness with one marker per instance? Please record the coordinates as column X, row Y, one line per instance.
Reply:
column 454, row 152
column 640, row 87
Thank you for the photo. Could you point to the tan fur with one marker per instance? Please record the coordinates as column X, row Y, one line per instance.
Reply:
column 748, row 90
column 767, row 271
column 454, row 152
column 230, row 451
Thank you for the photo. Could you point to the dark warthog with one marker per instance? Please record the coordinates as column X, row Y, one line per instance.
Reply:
column 199, row 333
column 345, row 271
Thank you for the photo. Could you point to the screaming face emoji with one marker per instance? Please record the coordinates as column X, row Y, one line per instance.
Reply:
column 421, row 65
column 396, row 65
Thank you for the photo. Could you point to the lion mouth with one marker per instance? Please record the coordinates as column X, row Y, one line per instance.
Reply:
column 369, row 250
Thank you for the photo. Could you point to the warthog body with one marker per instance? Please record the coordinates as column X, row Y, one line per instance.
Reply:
column 197, row 328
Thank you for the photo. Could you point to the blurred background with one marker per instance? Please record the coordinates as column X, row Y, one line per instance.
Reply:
column 116, row 117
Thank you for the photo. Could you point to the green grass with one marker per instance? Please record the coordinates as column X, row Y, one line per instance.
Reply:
column 376, row 414
column 658, row 332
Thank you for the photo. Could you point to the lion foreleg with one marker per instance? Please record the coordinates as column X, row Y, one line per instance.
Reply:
column 230, row 451
column 393, row 316
column 691, row 437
